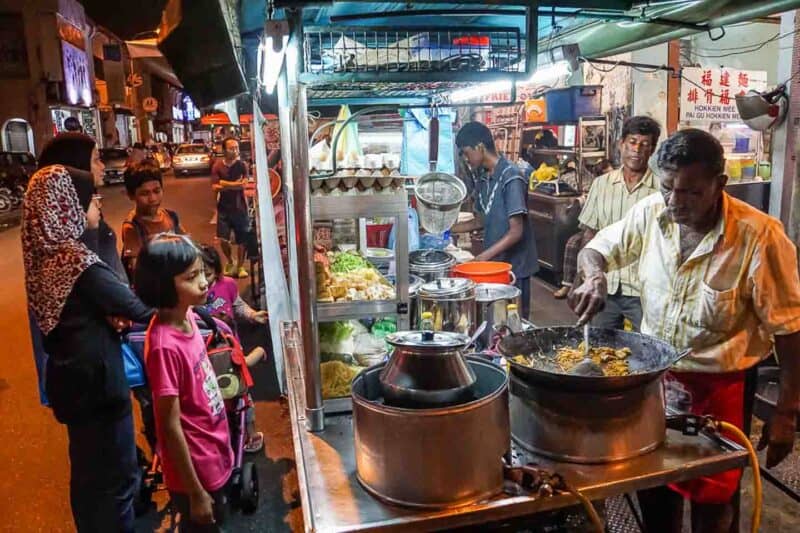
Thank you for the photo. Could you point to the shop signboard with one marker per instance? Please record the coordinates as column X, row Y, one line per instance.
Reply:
column 150, row 105
column 76, row 75
column 709, row 94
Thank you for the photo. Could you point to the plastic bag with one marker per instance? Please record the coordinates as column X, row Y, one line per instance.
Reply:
column 348, row 147
column 414, row 157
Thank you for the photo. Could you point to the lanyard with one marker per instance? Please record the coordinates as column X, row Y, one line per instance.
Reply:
column 485, row 204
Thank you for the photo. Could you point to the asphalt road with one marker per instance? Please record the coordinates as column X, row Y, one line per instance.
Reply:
column 34, row 486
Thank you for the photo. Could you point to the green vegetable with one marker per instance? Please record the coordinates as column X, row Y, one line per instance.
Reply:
column 334, row 332
column 347, row 262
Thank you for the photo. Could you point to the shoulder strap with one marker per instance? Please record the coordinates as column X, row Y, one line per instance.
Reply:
column 176, row 223
column 208, row 320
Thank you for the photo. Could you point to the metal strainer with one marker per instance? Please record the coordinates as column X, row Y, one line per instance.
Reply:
column 439, row 197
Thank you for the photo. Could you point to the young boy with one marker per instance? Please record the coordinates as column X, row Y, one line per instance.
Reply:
column 500, row 195
column 145, row 186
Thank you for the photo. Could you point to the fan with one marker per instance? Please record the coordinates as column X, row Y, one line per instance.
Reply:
column 763, row 111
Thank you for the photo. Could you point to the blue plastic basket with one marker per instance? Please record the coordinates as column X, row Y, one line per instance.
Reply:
column 571, row 103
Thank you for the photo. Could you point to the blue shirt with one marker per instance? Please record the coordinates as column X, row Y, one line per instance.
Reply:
column 499, row 197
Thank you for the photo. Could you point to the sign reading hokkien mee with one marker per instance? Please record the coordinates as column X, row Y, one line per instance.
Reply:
column 709, row 94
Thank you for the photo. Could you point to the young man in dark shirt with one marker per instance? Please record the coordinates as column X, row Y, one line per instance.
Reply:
column 500, row 198
column 229, row 176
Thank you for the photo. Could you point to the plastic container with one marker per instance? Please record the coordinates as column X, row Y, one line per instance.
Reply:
column 378, row 235
column 484, row 272
column 748, row 169
column 571, row 103
column 741, row 145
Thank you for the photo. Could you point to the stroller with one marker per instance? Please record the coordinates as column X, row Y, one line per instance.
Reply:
column 234, row 380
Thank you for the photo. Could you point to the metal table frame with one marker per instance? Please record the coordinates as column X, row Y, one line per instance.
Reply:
column 334, row 501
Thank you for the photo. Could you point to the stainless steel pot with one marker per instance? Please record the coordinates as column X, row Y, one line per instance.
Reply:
column 426, row 370
column 451, row 301
column 432, row 458
column 414, row 283
column 491, row 302
column 430, row 265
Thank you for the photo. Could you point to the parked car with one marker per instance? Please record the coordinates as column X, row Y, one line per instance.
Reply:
column 116, row 161
column 191, row 158
column 15, row 170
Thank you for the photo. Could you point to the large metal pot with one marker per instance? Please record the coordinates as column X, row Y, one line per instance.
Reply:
column 549, row 414
column 451, row 301
column 427, row 370
column 491, row 303
column 430, row 265
column 432, row 458
column 414, row 283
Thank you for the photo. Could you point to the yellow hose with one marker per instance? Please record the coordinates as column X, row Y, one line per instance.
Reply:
column 742, row 439
column 594, row 518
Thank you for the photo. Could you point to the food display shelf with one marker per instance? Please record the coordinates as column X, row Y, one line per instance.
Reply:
column 354, row 310
column 360, row 206
column 333, row 500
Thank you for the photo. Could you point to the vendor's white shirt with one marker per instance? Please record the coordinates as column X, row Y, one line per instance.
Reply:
column 738, row 288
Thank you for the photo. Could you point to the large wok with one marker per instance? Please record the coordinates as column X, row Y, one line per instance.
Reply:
column 650, row 357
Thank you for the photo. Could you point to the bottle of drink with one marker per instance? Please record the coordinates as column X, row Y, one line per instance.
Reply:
column 426, row 322
column 513, row 320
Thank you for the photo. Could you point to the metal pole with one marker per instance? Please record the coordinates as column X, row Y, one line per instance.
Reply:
column 315, row 417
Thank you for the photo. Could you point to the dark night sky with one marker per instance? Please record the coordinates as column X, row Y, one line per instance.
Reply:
column 126, row 18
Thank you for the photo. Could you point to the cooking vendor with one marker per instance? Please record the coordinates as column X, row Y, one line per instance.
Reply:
column 719, row 277
column 500, row 200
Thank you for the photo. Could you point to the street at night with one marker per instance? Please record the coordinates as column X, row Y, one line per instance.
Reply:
column 35, row 485
column 354, row 266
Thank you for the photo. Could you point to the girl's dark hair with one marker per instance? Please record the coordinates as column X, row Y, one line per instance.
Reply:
column 165, row 256
column 211, row 258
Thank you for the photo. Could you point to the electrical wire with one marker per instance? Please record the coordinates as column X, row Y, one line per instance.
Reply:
column 736, row 50
column 742, row 439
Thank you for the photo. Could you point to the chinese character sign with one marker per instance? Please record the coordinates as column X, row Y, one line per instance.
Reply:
column 709, row 94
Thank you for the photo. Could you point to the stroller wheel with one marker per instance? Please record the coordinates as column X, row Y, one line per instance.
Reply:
column 249, row 489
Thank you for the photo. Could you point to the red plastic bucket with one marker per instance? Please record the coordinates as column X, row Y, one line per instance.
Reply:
column 485, row 272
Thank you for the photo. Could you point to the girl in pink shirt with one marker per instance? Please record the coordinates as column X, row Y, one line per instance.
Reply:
column 191, row 423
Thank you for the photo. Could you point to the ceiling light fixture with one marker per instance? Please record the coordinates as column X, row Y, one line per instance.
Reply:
column 272, row 52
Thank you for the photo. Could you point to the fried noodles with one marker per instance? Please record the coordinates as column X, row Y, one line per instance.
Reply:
column 613, row 361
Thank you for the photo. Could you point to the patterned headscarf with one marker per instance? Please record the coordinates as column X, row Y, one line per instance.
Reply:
column 54, row 257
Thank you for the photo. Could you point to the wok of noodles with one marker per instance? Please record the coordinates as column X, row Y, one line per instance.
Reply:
column 613, row 361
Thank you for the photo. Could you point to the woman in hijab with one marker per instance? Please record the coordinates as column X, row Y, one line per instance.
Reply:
column 79, row 155
column 71, row 294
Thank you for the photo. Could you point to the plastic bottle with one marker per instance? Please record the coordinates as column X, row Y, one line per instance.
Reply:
column 426, row 322
column 513, row 321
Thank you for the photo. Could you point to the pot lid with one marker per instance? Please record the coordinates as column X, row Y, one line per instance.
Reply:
column 447, row 287
column 492, row 292
column 428, row 339
column 414, row 283
column 432, row 259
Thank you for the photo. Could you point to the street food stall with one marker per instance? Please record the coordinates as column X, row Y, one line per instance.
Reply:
column 434, row 437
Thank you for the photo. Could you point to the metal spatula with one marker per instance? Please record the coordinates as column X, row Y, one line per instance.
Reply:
column 586, row 367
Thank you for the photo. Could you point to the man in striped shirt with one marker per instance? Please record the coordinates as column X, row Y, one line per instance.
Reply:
column 610, row 198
